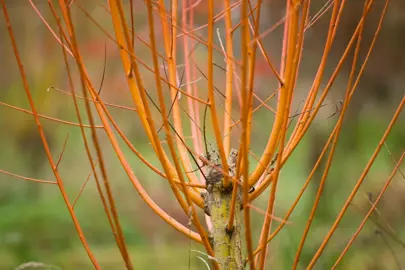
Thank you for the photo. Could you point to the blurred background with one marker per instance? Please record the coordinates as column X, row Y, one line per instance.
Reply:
column 35, row 224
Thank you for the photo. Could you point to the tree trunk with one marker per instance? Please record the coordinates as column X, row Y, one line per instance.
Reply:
column 227, row 244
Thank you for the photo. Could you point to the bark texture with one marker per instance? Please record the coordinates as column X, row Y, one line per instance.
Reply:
column 227, row 244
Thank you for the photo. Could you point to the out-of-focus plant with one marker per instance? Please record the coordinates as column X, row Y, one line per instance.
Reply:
column 222, row 177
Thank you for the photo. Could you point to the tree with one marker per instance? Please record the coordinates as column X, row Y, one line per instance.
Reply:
column 227, row 180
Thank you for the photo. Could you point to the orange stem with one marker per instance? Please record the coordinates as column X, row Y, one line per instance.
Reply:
column 44, row 140
column 190, row 206
column 48, row 117
column 117, row 229
column 244, row 146
column 214, row 114
column 170, row 44
column 371, row 210
column 371, row 161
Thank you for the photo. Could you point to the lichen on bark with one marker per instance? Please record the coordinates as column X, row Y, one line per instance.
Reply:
column 227, row 244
